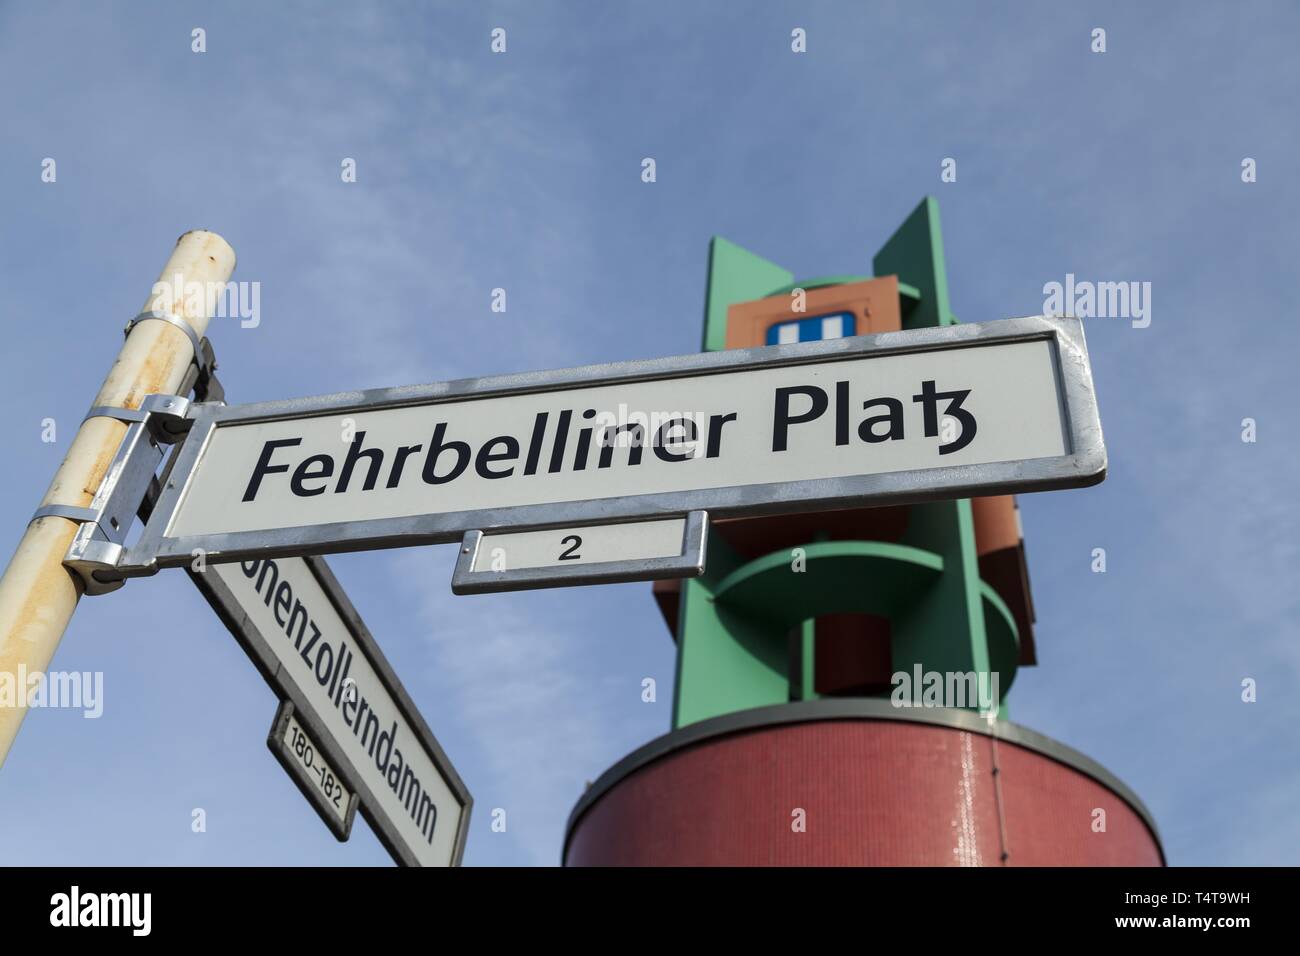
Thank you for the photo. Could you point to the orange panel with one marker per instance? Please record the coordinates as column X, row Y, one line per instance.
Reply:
column 874, row 303
column 1002, row 563
column 997, row 525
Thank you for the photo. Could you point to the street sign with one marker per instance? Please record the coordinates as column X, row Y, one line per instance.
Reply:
column 292, row 618
column 305, row 762
column 894, row 418
column 568, row 556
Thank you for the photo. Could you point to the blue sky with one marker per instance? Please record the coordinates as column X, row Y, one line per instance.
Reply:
column 522, row 171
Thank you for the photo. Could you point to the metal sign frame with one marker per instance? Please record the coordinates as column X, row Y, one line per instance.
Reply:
column 688, row 564
column 257, row 647
column 1083, row 464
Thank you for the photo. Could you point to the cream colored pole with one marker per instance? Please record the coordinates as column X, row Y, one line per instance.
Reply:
column 37, row 594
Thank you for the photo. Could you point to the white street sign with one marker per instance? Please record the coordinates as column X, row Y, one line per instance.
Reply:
column 291, row 616
column 885, row 419
column 597, row 554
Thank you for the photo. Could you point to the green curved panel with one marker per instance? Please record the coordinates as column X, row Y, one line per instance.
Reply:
column 837, row 577
column 1003, row 637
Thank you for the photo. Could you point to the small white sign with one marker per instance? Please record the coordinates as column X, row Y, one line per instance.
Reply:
column 585, row 554
column 307, row 766
column 567, row 547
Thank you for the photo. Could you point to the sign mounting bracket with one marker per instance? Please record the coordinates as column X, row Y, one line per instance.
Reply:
column 100, row 542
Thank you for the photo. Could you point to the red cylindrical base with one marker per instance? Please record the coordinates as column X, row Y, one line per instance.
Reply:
column 858, row 783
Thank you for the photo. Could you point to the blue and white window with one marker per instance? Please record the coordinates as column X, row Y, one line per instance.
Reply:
column 834, row 326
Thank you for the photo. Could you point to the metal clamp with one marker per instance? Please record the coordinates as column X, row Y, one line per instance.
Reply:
column 165, row 415
column 203, row 379
column 173, row 321
column 71, row 512
column 100, row 541
column 115, row 411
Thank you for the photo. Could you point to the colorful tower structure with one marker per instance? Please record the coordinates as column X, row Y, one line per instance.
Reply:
column 786, row 747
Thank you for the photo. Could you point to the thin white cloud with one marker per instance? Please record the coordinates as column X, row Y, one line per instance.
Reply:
column 521, row 686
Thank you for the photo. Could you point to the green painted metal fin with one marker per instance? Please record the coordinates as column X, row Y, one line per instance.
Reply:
column 726, row 661
column 735, row 275
column 944, row 630
column 914, row 253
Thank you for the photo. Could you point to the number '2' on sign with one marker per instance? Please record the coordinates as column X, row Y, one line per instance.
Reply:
column 593, row 554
